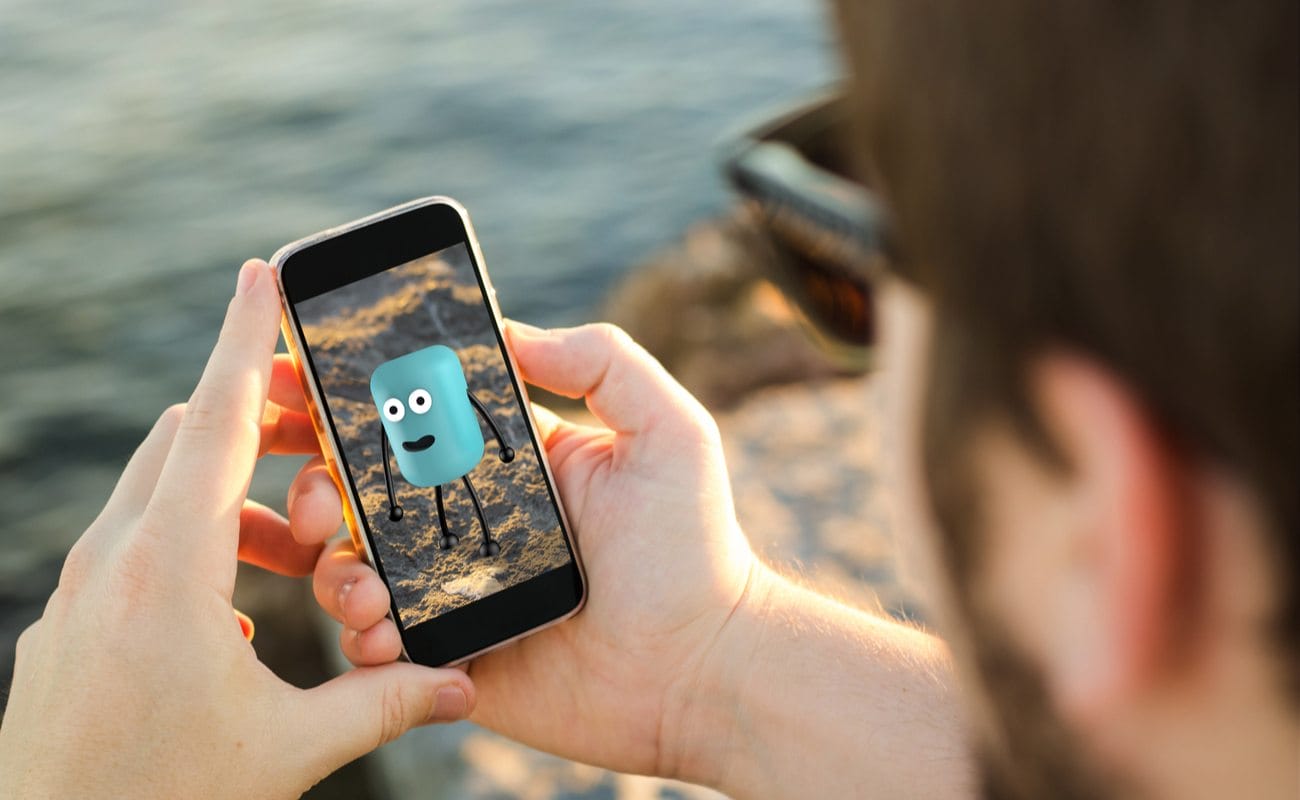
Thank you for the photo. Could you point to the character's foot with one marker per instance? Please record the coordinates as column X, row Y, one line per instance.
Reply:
column 395, row 513
column 449, row 541
column 506, row 454
column 489, row 548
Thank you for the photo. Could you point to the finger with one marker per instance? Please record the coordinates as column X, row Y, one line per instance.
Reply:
column 265, row 541
column 286, row 432
column 207, row 472
column 136, row 484
column 363, row 602
column 547, row 422
column 562, row 438
column 347, row 588
column 286, row 387
column 378, row 644
column 552, row 429
column 625, row 387
column 358, row 711
column 315, row 509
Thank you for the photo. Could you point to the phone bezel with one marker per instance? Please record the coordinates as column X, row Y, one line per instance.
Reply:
column 365, row 247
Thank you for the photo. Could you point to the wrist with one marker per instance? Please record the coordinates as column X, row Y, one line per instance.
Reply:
column 704, row 733
column 799, row 695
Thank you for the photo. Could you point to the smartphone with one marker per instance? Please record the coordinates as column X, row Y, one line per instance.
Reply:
column 427, row 430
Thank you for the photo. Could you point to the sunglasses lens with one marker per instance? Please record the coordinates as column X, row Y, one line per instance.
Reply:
column 823, row 277
column 821, row 230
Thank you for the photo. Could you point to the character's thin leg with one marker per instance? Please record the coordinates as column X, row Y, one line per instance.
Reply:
column 394, row 510
column 449, row 539
column 490, row 546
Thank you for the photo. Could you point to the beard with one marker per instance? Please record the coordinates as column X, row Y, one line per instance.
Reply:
column 1023, row 746
column 1026, row 750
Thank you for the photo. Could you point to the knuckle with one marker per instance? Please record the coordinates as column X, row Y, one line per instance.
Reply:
column 611, row 335
column 393, row 712
column 171, row 417
column 135, row 571
column 705, row 426
column 322, row 582
column 201, row 413
column 692, row 423
column 77, row 567
column 27, row 639
column 214, row 415
column 65, row 604
column 132, row 582
column 216, row 402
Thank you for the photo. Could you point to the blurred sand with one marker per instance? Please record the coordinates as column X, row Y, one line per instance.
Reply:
column 357, row 327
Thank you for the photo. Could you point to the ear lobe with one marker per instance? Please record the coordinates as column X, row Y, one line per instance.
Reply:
column 1120, row 600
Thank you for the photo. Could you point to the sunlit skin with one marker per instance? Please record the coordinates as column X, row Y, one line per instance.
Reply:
column 787, row 693
column 691, row 659
column 684, row 627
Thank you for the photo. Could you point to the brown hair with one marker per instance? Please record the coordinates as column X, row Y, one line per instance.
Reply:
column 1118, row 178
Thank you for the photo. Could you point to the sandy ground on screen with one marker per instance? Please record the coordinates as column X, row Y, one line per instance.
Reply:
column 351, row 330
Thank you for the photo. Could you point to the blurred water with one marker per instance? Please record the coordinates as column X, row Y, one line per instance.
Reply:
column 147, row 148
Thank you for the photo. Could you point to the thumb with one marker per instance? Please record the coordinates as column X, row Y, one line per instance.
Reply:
column 624, row 386
column 361, row 710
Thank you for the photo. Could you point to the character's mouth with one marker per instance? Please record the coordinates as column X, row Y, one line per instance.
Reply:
column 423, row 443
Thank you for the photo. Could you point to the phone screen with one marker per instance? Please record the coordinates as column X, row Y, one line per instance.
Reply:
column 413, row 372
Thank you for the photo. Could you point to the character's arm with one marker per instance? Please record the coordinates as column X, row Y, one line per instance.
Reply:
column 394, row 510
column 506, row 453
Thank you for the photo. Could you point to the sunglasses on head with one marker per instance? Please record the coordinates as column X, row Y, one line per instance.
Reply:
column 824, row 235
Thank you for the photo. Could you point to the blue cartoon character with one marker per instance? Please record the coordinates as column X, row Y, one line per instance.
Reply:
column 428, row 412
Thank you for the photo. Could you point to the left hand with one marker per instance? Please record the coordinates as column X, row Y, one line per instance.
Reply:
column 137, row 680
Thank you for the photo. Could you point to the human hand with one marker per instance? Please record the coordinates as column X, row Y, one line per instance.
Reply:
column 648, row 497
column 137, row 681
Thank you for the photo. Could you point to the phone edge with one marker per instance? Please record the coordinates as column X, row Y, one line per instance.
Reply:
column 351, row 505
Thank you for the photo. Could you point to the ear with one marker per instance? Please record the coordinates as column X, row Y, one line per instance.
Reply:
column 1116, row 609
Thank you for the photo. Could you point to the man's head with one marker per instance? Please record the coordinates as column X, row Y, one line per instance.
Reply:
column 1099, row 202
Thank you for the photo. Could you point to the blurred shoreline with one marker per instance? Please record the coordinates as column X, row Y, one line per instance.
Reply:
column 143, row 156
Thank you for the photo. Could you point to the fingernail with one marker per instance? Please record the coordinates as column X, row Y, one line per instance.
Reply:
column 246, row 626
column 248, row 276
column 344, row 591
column 450, row 705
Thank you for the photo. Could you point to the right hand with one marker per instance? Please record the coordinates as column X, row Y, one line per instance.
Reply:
column 648, row 497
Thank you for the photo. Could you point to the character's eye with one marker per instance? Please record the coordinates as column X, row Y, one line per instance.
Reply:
column 394, row 410
column 419, row 401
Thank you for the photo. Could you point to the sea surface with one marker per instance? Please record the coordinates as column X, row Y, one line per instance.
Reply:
column 146, row 149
